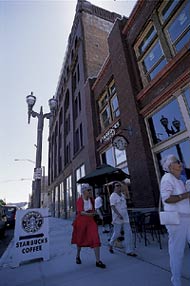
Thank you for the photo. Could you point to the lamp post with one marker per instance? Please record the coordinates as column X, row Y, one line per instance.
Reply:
column 175, row 123
column 31, row 99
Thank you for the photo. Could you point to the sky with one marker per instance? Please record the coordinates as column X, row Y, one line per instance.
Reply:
column 34, row 37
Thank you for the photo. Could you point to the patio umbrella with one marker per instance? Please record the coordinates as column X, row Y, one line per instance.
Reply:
column 103, row 175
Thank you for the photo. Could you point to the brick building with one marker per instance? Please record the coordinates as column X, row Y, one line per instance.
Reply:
column 71, row 141
column 139, row 88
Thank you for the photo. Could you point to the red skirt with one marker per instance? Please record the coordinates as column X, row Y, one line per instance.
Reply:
column 85, row 232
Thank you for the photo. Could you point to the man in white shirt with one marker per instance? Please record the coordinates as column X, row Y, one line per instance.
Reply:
column 120, row 219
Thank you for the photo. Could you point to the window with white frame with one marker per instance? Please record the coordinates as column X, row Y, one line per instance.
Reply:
column 166, row 122
column 169, row 131
column 113, row 157
column 120, row 156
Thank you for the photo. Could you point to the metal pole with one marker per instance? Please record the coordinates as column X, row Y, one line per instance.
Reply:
column 37, row 196
column 30, row 99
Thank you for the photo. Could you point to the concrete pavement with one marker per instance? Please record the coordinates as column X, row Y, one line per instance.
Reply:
column 150, row 268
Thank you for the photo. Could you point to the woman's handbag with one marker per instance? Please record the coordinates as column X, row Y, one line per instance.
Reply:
column 168, row 217
column 97, row 218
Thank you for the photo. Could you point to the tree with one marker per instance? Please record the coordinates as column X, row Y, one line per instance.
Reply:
column 2, row 203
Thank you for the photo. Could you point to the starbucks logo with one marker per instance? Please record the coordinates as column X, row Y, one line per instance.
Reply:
column 32, row 221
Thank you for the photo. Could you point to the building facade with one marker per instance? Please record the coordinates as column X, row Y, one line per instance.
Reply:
column 139, row 88
column 143, row 93
column 157, row 38
column 71, row 140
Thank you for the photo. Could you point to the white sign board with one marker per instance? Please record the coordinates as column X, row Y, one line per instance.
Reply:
column 31, row 236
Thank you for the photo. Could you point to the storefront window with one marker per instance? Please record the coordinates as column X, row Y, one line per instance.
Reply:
column 181, row 151
column 120, row 156
column 166, row 122
column 114, row 157
column 69, row 195
column 62, row 200
column 107, row 157
column 57, row 199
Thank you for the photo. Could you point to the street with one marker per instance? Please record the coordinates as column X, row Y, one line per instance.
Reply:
column 4, row 242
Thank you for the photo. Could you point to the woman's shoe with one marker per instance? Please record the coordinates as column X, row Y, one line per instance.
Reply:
column 111, row 249
column 132, row 254
column 105, row 231
column 100, row 264
column 78, row 260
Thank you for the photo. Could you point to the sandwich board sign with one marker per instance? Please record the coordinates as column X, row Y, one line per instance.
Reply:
column 31, row 236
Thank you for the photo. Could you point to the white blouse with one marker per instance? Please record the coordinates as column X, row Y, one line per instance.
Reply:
column 87, row 205
column 170, row 185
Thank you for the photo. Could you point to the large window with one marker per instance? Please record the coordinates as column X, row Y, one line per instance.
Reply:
column 147, row 40
column 149, row 53
column 105, row 117
column 62, row 200
column 120, row 156
column 57, row 201
column 163, row 37
column 114, row 157
column 178, row 28
column 108, row 106
column 67, row 153
column 154, row 61
column 78, row 139
column 80, row 172
column 166, row 122
column 108, row 158
column 181, row 151
column 115, row 107
column 69, row 206
column 169, row 131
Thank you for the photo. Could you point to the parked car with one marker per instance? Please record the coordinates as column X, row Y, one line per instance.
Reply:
column 10, row 212
column 2, row 222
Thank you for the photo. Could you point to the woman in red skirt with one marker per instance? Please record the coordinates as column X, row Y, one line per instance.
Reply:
column 85, row 229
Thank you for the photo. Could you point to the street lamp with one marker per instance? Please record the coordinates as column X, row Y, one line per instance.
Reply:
column 31, row 99
column 175, row 123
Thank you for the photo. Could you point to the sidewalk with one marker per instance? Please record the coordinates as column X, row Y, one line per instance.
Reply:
column 150, row 268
